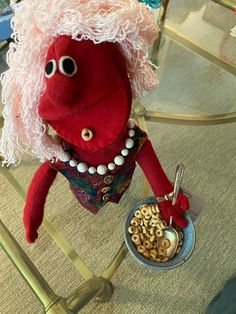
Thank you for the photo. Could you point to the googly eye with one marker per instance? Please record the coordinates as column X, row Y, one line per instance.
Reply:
column 50, row 68
column 67, row 66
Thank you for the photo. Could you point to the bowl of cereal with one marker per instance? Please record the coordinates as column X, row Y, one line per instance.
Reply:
column 144, row 238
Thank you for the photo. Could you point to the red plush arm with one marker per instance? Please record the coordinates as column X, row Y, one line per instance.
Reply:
column 36, row 197
column 161, row 185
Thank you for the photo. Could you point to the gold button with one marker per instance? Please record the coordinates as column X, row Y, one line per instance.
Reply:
column 108, row 179
column 106, row 189
column 105, row 197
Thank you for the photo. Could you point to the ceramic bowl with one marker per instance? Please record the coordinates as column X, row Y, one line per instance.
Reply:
column 177, row 260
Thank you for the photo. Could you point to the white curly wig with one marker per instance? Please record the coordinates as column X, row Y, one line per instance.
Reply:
column 36, row 25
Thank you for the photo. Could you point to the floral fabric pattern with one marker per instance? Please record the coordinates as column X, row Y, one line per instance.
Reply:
column 93, row 191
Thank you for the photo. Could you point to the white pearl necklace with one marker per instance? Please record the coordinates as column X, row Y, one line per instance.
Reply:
column 119, row 160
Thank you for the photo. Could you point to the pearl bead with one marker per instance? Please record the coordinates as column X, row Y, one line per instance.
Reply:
column 119, row 160
column 82, row 167
column 92, row 170
column 111, row 166
column 65, row 157
column 131, row 124
column 129, row 143
column 131, row 133
column 73, row 163
column 102, row 169
column 125, row 152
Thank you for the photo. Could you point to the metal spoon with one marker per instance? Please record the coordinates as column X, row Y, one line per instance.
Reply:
column 169, row 232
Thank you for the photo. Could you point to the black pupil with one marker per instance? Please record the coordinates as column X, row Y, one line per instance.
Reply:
column 68, row 66
column 49, row 68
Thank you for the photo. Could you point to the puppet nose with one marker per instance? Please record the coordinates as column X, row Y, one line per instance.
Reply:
column 62, row 91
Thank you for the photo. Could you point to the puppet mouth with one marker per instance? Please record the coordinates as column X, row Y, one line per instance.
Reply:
column 106, row 120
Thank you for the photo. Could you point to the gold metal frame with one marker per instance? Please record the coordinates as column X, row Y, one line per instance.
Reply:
column 100, row 286
column 186, row 119
column 94, row 286
column 227, row 4
column 180, row 38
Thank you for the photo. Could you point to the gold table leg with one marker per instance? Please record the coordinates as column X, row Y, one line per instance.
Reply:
column 60, row 241
column 37, row 283
column 188, row 119
column 227, row 4
column 118, row 259
column 140, row 113
column 53, row 304
column 182, row 39
column 99, row 287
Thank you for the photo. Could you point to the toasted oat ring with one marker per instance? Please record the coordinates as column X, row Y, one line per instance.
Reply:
column 153, row 209
column 144, row 229
column 152, row 238
column 159, row 226
column 181, row 235
column 141, row 249
column 152, row 224
column 154, row 251
column 153, row 256
column 131, row 229
column 139, row 228
column 135, row 238
column 181, row 242
column 158, row 259
column 165, row 243
column 178, row 250
column 146, row 254
column 157, row 208
column 163, row 224
column 141, row 235
column 152, row 231
column 138, row 214
column 165, row 259
column 161, row 251
column 148, row 217
column 135, row 222
column 155, row 220
column 144, row 210
column 156, row 217
column 159, row 233
column 147, row 244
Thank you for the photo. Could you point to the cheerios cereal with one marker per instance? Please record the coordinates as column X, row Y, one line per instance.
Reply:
column 147, row 233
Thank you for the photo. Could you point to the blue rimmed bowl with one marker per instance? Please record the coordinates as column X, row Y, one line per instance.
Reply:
column 177, row 260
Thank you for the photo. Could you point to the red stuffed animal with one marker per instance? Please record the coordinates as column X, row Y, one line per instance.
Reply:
column 87, row 87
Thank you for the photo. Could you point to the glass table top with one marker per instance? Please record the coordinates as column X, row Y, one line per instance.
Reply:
column 206, row 25
column 196, row 59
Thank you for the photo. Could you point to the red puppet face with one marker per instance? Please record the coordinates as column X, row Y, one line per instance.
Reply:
column 87, row 86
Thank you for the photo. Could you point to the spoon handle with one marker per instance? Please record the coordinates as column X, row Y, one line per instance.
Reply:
column 177, row 183
column 178, row 180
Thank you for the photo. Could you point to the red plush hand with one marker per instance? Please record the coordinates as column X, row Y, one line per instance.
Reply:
column 176, row 211
column 36, row 197
column 161, row 185
column 31, row 237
